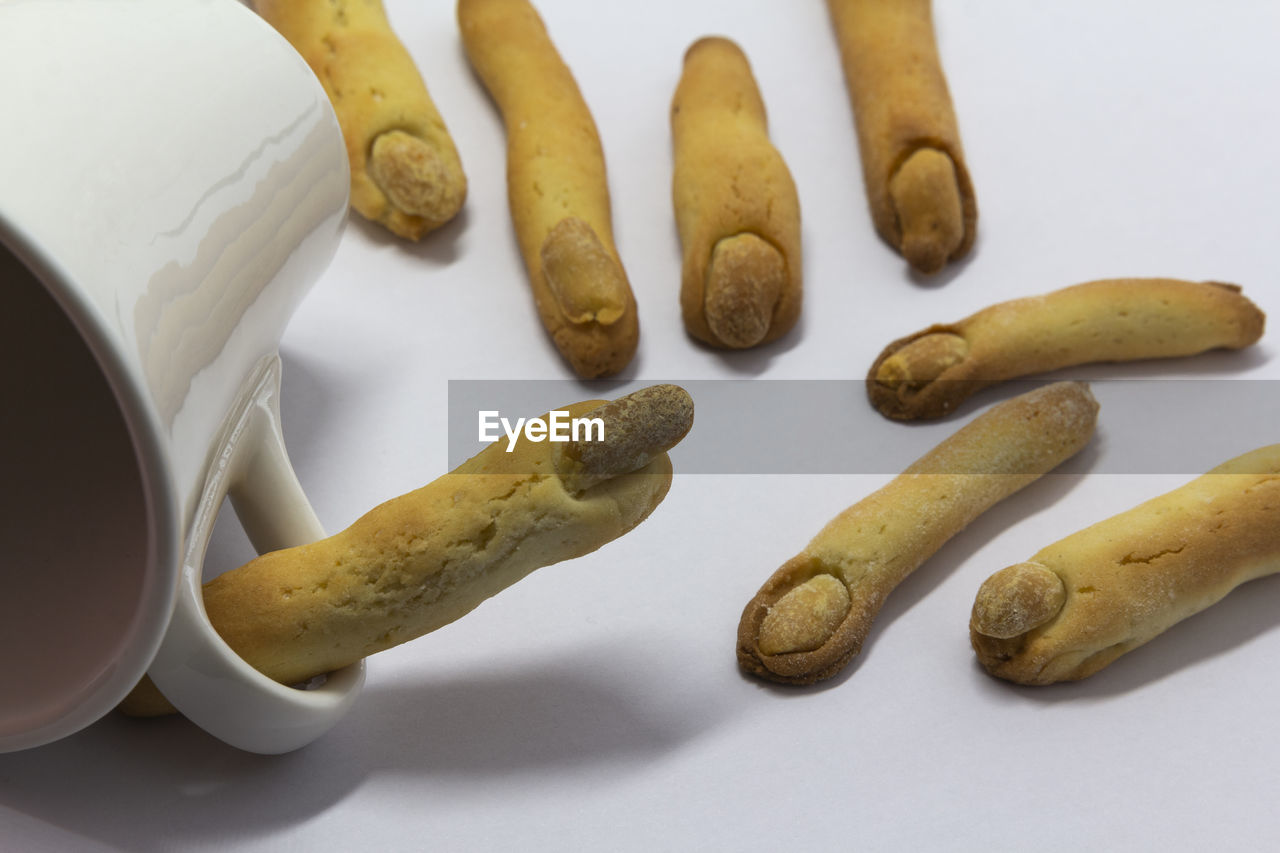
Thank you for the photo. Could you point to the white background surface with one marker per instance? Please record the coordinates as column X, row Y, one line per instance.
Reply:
column 597, row 704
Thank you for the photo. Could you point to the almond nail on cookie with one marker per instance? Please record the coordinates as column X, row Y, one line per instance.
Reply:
column 736, row 206
column 405, row 170
column 556, row 185
column 1084, row 601
column 917, row 183
column 929, row 373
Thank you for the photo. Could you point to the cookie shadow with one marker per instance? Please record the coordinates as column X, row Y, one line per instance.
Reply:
column 951, row 558
column 755, row 361
column 146, row 785
column 946, row 275
column 503, row 722
column 440, row 247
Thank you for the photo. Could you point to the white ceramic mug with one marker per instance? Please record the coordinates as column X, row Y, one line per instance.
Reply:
column 172, row 180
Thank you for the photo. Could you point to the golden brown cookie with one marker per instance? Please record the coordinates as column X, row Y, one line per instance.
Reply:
column 405, row 171
column 1085, row 600
column 811, row 617
column 422, row 560
column 929, row 373
column 917, row 183
column 556, row 186
column 735, row 203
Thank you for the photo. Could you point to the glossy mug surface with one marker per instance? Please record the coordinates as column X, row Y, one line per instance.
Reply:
column 172, row 181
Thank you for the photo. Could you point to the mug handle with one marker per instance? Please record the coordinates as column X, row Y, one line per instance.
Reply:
column 195, row 669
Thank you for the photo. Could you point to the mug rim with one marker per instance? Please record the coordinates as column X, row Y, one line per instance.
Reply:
column 159, row 591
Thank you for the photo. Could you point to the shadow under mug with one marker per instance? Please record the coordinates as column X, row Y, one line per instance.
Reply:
column 172, row 181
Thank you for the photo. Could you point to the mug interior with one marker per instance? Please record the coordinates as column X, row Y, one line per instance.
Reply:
column 81, row 570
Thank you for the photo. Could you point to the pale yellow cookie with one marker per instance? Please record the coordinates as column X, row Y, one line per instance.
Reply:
column 735, row 203
column 405, row 171
column 556, row 186
column 917, row 183
column 1085, row 600
column 929, row 373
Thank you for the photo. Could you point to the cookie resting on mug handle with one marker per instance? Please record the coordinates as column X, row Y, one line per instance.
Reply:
column 198, row 672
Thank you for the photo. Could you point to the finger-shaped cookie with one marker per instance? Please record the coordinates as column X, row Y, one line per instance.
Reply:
column 422, row 560
column 1084, row 601
column 736, row 206
column 929, row 373
column 811, row 617
column 917, row 183
column 405, row 171
column 556, row 186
